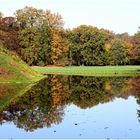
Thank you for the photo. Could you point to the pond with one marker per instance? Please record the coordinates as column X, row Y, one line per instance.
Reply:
column 71, row 107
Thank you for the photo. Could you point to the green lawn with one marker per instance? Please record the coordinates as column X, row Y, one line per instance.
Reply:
column 91, row 70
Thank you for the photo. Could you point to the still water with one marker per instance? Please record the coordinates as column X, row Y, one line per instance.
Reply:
column 68, row 107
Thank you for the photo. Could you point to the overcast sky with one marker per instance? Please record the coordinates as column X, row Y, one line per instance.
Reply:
column 116, row 15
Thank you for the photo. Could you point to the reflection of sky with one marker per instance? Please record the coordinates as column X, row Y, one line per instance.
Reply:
column 117, row 15
column 117, row 119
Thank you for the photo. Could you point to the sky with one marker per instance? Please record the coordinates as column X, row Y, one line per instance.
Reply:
column 118, row 16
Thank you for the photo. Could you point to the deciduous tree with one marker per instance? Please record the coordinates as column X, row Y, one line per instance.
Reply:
column 35, row 36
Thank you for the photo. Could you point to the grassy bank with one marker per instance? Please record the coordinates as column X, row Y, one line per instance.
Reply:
column 13, row 69
column 91, row 70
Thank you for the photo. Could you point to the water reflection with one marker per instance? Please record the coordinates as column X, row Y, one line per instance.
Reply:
column 10, row 91
column 43, row 104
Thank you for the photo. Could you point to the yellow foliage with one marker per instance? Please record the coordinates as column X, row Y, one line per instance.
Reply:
column 58, row 45
column 108, row 86
column 56, row 91
column 107, row 46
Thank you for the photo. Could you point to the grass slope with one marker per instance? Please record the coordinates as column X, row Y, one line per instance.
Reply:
column 91, row 70
column 12, row 68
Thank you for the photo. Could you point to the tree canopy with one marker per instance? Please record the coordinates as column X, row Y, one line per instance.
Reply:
column 39, row 38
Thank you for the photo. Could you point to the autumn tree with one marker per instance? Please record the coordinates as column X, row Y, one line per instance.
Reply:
column 59, row 46
column 9, row 31
column 41, row 36
column 136, row 50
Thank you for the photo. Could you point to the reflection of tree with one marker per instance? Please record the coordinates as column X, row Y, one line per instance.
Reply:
column 35, row 108
column 90, row 91
column 43, row 105
column 120, row 87
column 138, row 111
column 56, row 91
column 136, row 90
column 86, row 92
column 10, row 91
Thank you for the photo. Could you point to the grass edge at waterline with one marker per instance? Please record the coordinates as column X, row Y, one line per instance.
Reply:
column 91, row 70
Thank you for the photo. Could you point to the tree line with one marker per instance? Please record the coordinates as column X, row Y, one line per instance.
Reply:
column 39, row 38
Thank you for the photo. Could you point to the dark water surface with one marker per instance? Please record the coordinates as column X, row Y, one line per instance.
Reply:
column 71, row 107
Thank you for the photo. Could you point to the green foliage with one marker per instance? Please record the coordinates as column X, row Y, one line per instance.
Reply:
column 118, row 54
column 35, row 44
column 87, row 46
column 33, row 35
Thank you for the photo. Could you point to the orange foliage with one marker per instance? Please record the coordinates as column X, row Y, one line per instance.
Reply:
column 56, row 91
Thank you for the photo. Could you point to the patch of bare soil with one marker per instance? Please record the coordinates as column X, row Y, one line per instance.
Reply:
column 3, row 71
column 4, row 74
